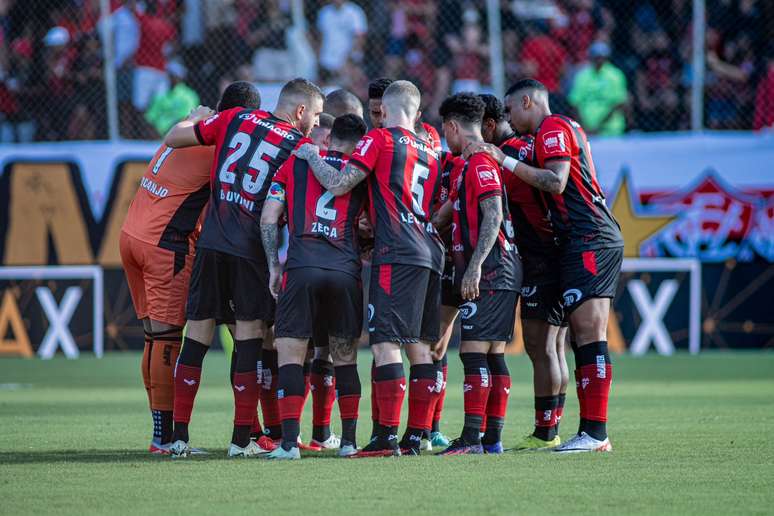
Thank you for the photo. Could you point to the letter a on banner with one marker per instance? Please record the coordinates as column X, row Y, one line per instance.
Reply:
column 10, row 317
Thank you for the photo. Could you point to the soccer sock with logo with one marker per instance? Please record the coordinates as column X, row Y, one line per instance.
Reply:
column 145, row 365
column 425, row 384
column 443, row 366
column 256, row 430
column 376, row 429
column 545, row 417
column 497, row 403
column 560, row 399
column 268, row 395
column 390, row 385
column 188, row 372
column 476, row 393
column 348, row 393
column 166, row 348
column 595, row 371
column 245, row 389
column 323, row 397
column 291, row 403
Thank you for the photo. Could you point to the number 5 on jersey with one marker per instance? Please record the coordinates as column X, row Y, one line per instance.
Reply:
column 240, row 143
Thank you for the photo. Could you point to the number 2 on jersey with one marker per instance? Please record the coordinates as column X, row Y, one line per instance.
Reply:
column 240, row 143
column 324, row 208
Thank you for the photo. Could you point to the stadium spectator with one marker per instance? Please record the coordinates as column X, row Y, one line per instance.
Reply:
column 267, row 35
column 342, row 26
column 150, row 73
column 542, row 56
column 469, row 54
column 657, row 89
column 599, row 93
column 169, row 108
column 764, row 99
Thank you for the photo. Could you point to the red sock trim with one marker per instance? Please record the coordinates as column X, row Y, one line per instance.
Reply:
column 349, row 406
column 545, row 418
column 422, row 400
column 187, row 381
column 595, row 383
column 389, row 396
column 497, row 403
column 245, row 398
column 476, row 393
column 291, row 407
column 323, row 398
column 269, row 405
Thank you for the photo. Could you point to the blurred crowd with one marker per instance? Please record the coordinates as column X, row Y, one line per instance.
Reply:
column 617, row 66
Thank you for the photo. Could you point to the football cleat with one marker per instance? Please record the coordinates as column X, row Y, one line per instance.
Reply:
column 583, row 442
column 347, row 450
column 494, row 449
column 438, row 439
column 532, row 443
column 251, row 450
column 333, row 442
column 381, row 447
column 265, row 444
column 159, row 449
column 281, row 453
column 460, row 447
column 179, row 449
column 426, row 445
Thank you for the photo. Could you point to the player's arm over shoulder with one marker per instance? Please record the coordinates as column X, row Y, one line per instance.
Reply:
column 201, row 127
column 336, row 181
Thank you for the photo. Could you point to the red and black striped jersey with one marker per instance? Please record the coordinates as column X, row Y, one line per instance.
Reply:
column 534, row 233
column 580, row 216
column 322, row 228
column 403, row 183
column 435, row 138
column 249, row 148
column 480, row 179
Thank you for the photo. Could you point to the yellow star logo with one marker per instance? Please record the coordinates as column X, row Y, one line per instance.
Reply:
column 636, row 228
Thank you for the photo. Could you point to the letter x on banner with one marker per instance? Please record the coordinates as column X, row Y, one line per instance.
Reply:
column 58, row 334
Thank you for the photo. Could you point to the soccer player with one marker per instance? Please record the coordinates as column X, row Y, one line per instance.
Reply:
column 319, row 291
column 403, row 179
column 590, row 241
column 341, row 102
column 321, row 135
column 376, row 90
column 230, row 268
column 487, row 272
column 542, row 314
column 157, row 247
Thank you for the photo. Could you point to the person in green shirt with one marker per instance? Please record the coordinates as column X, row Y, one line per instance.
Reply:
column 599, row 93
column 169, row 108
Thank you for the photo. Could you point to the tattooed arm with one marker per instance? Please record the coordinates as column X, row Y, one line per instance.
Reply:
column 492, row 217
column 337, row 182
column 273, row 208
column 552, row 179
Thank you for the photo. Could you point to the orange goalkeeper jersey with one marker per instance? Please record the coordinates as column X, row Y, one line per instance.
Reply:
column 174, row 190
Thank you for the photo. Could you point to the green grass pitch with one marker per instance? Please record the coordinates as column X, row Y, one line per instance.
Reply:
column 691, row 435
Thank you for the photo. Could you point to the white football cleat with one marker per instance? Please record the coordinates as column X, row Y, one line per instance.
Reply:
column 583, row 442
column 426, row 445
column 251, row 450
column 281, row 453
column 333, row 442
column 347, row 451
column 179, row 449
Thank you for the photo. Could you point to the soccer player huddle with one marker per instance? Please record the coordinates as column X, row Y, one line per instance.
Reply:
column 512, row 209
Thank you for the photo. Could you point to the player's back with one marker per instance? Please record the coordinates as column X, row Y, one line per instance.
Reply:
column 168, row 204
column 250, row 145
column 403, row 183
column 322, row 227
column 579, row 215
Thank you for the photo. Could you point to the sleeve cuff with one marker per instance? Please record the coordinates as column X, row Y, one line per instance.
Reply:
column 198, row 134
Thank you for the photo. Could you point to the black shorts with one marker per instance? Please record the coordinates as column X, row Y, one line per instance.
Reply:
column 490, row 317
column 316, row 302
column 542, row 301
column 227, row 288
column 589, row 274
column 405, row 304
column 449, row 295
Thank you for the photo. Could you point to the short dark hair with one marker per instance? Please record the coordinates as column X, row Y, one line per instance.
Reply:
column 377, row 86
column 326, row 120
column 240, row 94
column 340, row 102
column 493, row 108
column 526, row 84
column 301, row 89
column 465, row 107
column 348, row 128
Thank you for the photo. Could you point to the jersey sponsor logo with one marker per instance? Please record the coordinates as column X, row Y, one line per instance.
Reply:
column 523, row 153
column 468, row 310
column 250, row 117
column 405, row 140
column 483, row 372
column 363, row 145
column 528, row 291
column 371, row 312
column 487, row 176
column 572, row 296
column 154, row 188
column 553, row 141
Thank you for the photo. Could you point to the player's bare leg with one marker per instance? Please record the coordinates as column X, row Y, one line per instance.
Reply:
column 593, row 375
column 188, row 373
column 166, row 341
column 292, row 355
column 344, row 355
column 564, row 372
